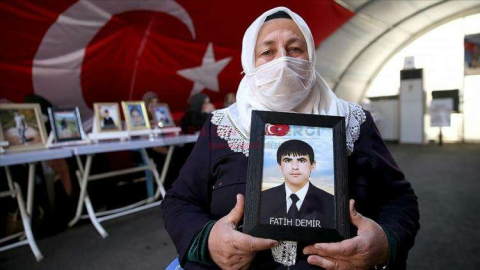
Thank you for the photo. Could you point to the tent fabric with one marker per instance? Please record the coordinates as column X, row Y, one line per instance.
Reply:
column 75, row 53
column 350, row 58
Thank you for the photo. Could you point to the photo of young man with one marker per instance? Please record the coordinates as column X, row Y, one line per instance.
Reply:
column 108, row 122
column 21, row 126
column 297, row 202
column 136, row 116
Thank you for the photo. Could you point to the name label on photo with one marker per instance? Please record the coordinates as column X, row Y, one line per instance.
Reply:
column 311, row 223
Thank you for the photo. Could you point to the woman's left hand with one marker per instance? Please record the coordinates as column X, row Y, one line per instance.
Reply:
column 369, row 248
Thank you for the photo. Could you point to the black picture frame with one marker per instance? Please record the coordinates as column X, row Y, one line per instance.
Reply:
column 52, row 113
column 307, row 235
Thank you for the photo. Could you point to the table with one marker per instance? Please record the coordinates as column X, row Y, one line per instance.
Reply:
column 30, row 157
column 84, row 176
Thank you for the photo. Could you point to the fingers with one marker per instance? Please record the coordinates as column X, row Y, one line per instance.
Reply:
column 357, row 219
column 237, row 212
column 250, row 244
column 341, row 250
column 328, row 263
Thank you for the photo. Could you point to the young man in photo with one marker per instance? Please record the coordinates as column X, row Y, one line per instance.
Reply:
column 21, row 126
column 108, row 122
column 136, row 116
column 297, row 202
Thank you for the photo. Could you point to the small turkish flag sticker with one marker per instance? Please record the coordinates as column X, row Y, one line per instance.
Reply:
column 276, row 130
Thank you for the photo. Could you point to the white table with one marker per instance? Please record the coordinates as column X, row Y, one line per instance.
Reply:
column 84, row 176
column 30, row 157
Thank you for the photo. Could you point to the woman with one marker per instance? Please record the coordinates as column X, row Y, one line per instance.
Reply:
column 197, row 114
column 203, row 209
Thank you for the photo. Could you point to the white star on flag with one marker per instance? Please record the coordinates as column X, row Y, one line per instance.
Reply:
column 205, row 75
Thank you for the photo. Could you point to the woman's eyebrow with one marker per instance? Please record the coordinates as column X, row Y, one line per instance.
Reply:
column 267, row 43
column 295, row 39
column 289, row 41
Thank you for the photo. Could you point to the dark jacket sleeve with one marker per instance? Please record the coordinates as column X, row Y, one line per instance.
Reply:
column 388, row 191
column 186, row 205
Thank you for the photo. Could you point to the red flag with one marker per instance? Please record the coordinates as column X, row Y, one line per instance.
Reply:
column 75, row 53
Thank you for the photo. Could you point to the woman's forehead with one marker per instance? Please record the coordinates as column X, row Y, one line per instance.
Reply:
column 281, row 25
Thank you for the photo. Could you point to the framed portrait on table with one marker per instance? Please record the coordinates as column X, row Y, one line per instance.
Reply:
column 66, row 124
column 22, row 126
column 136, row 116
column 297, row 184
column 107, row 117
column 162, row 116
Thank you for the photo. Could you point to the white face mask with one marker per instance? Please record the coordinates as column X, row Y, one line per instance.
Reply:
column 282, row 84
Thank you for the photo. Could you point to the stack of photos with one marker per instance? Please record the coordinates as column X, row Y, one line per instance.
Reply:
column 66, row 124
column 22, row 126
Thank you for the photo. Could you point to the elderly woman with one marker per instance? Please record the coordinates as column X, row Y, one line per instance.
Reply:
column 205, row 205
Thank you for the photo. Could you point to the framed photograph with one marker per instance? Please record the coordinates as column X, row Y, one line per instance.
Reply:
column 107, row 116
column 472, row 54
column 22, row 126
column 136, row 115
column 297, row 185
column 162, row 116
column 66, row 124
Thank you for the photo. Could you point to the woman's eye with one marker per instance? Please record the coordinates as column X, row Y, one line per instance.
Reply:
column 296, row 50
column 266, row 53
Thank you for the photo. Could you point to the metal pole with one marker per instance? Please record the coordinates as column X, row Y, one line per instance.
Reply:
column 10, row 181
column 440, row 137
column 161, row 180
column 31, row 186
column 166, row 164
column 91, row 213
column 83, row 191
column 148, row 173
column 26, row 225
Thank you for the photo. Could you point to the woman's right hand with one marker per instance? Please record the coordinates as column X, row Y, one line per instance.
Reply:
column 231, row 249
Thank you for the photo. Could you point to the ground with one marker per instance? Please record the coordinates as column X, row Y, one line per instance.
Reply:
column 446, row 180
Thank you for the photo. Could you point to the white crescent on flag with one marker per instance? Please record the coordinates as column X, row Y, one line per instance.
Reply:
column 270, row 132
column 56, row 70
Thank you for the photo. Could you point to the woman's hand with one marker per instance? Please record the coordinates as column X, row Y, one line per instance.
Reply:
column 367, row 249
column 231, row 249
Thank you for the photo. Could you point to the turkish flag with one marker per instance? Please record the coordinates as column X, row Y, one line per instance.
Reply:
column 75, row 53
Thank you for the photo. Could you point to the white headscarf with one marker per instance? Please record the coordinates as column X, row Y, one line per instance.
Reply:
column 321, row 99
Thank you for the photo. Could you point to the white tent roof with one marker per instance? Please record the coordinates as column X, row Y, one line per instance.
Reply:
column 352, row 56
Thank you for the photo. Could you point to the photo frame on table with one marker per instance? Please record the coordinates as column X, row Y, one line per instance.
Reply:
column 66, row 124
column 22, row 126
column 107, row 117
column 136, row 116
column 303, row 155
column 162, row 117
